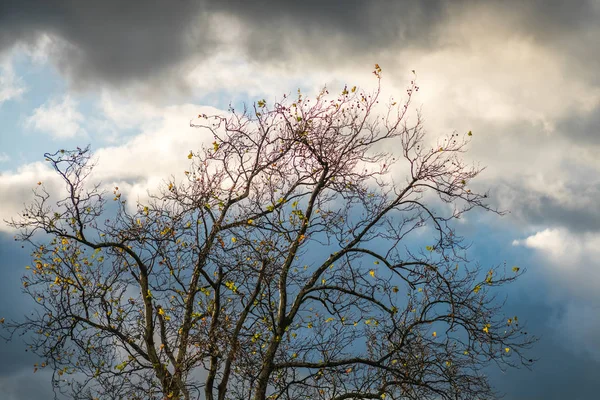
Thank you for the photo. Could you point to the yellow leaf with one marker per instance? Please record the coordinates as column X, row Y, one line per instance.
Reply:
column 372, row 273
column 215, row 146
column 470, row 133
column 515, row 269
column 477, row 288
column 434, row 334
column 507, row 349
column 233, row 240
column 486, row 328
column 190, row 155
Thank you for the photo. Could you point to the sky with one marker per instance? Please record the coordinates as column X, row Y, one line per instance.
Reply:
column 127, row 78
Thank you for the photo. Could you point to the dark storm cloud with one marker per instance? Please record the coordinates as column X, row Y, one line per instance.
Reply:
column 338, row 30
column 111, row 41
column 131, row 41
column 541, row 209
column 582, row 127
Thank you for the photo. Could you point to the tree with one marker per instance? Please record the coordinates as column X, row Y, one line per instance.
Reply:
column 285, row 264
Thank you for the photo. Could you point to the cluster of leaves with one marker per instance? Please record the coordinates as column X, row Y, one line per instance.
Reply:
column 276, row 268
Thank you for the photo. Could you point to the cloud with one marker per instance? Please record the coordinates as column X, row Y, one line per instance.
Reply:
column 155, row 46
column 58, row 118
column 138, row 164
column 112, row 42
column 568, row 264
column 11, row 86
column 570, row 259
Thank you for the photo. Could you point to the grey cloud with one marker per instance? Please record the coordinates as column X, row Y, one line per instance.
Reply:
column 109, row 41
column 582, row 127
column 341, row 31
column 119, row 42
column 540, row 209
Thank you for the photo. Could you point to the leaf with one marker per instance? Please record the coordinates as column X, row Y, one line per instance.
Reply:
column 233, row 240
column 434, row 334
column 429, row 248
column 215, row 146
column 486, row 328
column 477, row 288
column 190, row 155
column 515, row 269
column 507, row 349
column 470, row 133
column 372, row 273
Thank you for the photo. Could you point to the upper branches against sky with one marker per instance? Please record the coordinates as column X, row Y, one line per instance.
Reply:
column 284, row 263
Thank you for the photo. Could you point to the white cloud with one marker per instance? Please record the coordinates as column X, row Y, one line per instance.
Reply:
column 139, row 164
column 11, row 86
column 562, row 246
column 570, row 259
column 59, row 118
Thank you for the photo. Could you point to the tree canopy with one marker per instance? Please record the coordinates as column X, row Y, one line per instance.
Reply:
column 307, row 253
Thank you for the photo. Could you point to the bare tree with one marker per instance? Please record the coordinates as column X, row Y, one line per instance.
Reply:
column 284, row 265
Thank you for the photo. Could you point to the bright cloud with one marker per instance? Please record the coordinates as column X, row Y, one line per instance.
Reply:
column 139, row 164
column 11, row 86
column 58, row 118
